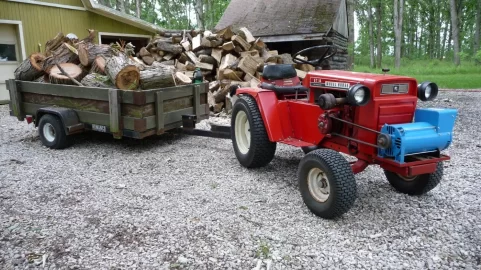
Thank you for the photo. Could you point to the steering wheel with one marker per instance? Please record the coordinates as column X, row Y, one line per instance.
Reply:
column 330, row 51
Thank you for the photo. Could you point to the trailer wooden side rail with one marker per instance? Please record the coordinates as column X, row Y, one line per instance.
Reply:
column 123, row 113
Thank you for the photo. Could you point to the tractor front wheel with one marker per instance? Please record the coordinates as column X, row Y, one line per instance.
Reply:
column 416, row 185
column 327, row 183
column 251, row 143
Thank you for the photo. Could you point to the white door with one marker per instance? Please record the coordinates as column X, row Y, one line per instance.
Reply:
column 9, row 57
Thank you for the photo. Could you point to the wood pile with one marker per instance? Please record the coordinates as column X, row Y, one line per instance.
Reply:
column 225, row 58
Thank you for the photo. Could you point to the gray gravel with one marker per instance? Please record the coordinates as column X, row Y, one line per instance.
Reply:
column 171, row 202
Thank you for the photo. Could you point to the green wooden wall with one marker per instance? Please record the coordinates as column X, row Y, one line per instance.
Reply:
column 76, row 3
column 42, row 23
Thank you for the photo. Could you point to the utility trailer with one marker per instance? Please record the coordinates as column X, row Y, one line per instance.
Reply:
column 62, row 110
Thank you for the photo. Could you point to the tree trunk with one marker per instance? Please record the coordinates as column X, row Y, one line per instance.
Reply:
column 158, row 77
column 350, row 39
column 398, row 22
column 121, row 6
column 379, row 32
column 73, row 70
column 199, row 13
column 31, row 68
column 121, row 73
column 443, row 47
column 97, row 80
column 477, row 31
column 371, row 37
column 455, row 33
column 137, row 5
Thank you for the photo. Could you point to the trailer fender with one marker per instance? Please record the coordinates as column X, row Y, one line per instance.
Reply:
column 267, row 103
column 69, row 118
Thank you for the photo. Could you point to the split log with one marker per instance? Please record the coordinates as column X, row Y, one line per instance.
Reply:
column 228, row 46
column 217, row 54
column 72, row 70
column 301, row 74
column 97, row 80
column 196, row 43
column 226, row 33
column 63, row 54
column 246, row 35
column 248, row 64
column 204, row 66
column 186, row 45
column 125, row 76
column 211, row 100
column 192, row 57
column 220, row 95
column 238, row 40
column 53, row 44
column 189, row 66
column 158, row 77
column 156, row 57
column 227, row 61
column 149, row 60
column 88, row 52
column 232, row 75
column 30, row 68
column 143, row 52
column 181, row 78
column 214, row 86
column 218, row 107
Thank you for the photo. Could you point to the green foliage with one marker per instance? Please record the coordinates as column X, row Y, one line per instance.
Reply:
column 444, row 73
column 263, row 251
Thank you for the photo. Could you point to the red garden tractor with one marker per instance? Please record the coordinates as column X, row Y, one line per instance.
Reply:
column 372, row 117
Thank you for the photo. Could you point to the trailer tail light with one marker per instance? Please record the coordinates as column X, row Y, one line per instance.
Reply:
column 29, row 119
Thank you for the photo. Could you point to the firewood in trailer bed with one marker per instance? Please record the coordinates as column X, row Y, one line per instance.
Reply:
column 30, row 68
column 54, row 43
column 97, row 80
column 88, row 52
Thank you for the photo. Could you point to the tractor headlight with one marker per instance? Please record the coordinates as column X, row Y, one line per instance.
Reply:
column 427, row 91
column 358, row 95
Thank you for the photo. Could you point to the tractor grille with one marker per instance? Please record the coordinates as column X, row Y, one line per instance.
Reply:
column 397, row 143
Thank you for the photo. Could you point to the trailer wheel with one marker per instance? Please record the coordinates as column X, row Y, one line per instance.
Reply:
column 327, row 183
column 52, row 133
column 417, row 185
column 251, row 143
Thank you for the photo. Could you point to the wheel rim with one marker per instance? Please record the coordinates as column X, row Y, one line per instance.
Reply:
column 408, row 179
column 318, row 185
column 242, row 132
column 49, row 132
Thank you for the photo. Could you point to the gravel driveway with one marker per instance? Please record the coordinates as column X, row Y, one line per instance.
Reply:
column 179, row 201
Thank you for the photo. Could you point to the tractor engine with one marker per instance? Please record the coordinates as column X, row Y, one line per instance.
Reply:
column 431, row 131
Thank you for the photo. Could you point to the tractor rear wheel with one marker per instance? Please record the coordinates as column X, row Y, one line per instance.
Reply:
column 251, row 143
column 416, row 185
column 327, row 183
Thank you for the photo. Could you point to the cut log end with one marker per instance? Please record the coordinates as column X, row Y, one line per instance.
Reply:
column 128, row 78
column 36, row 59
column 57, row 77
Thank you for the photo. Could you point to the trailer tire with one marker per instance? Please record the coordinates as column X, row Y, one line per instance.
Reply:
column 51, row 132
column 327, row 183
column 251, row 143
column 417, row 185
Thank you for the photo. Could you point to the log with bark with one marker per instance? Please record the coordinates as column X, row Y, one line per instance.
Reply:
column 63, row 54
column 98, row 65
column 125, row 76
column 31, row 68
column 54, row 43
column 97, row 80
column 158, row 77
column 89, row 52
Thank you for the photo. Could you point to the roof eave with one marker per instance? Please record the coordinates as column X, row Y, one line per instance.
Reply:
column 121, row 17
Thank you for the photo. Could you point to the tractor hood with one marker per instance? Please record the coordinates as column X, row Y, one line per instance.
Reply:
column 369, row 79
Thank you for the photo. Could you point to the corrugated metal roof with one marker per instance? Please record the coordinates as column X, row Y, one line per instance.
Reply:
column 280, row 17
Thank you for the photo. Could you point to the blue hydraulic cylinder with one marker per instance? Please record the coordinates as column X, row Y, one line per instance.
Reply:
column 432, row 130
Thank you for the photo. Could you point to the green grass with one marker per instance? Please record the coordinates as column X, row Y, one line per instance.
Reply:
column 445, row 74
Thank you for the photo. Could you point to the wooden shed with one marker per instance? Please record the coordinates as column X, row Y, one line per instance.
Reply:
column 290, row 26
column 26, row 25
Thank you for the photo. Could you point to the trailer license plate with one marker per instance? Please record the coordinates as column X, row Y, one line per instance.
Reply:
column 99, row 128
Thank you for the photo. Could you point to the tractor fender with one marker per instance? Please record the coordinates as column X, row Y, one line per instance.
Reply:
column 267, row 103
column 69, row 118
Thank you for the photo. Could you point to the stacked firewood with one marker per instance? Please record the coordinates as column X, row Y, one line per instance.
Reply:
column 224, row 58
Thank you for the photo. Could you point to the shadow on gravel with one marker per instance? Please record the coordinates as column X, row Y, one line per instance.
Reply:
column 139, row 145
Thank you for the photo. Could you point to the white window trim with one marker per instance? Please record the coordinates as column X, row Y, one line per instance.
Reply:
column 49, row 4
column 20, row 33
column 122, row 35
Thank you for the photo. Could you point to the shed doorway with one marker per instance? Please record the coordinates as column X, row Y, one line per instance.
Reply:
column 138, row 41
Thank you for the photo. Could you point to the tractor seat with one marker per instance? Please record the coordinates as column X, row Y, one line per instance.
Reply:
column 282, row 72
column 278, row 72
